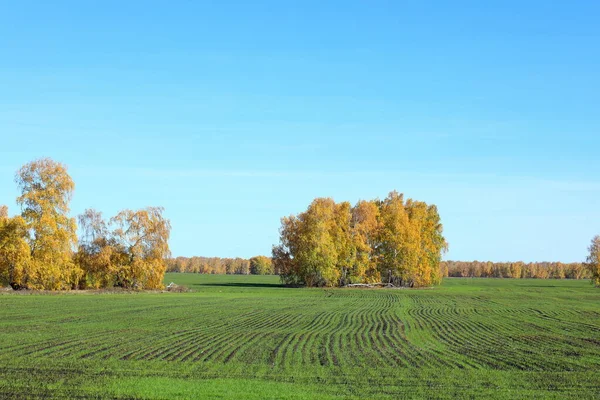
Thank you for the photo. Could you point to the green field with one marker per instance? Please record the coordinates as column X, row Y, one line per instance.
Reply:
column 248, row 337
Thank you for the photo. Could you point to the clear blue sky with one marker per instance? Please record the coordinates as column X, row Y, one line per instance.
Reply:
column 234, row 114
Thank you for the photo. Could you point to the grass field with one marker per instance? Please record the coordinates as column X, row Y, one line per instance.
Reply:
column 247, row 337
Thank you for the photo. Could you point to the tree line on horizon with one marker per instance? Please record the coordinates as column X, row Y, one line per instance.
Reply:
column 515, row 270
column 39, row 249
column 590, row 269
column 262, row 265
column 259, row 265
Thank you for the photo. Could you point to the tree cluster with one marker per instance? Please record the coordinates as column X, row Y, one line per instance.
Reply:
column 539, row 270
column 259, row 265
column 39, row 249
column 334, row 244
column 593, row 260
column 129, row 251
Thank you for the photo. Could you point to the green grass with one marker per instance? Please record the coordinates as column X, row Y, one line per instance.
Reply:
column 248, row 337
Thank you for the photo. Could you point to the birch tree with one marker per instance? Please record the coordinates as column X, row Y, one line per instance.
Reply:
column 46, row 190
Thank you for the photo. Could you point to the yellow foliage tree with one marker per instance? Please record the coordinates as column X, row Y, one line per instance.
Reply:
column 315, row 246
column 14, row 250
column 317, row 254
column 261, row 265
column 98, row 254
column 334, row 244
column 46, row 190
column 143, row 236
column 365, row 229
column 593, row 260
column 395, row 241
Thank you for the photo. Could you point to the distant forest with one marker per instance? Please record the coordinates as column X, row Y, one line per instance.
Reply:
column 262, row 265
column 538, row 270
column 259, row 265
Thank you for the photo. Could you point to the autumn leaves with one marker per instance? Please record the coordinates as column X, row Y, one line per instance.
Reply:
column 330, row 244
column 333, row 244
column 129, row 251
column 593, row 260
column 39, row 248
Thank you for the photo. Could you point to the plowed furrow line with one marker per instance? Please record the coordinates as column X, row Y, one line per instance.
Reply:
column 172, row 352
column 312, row 349
column 212, row 346
column 368, row 347
column 48, row 348
column 374, row 334
column 394, row 331
column 488, row 339
column 319, row 328
column 298, row 341
column 346, row 340
column 485, row 348
column 194, row 348
column 427, row 356
column 242, row 345
column 142, row 352
column 334, row 339
column 278, row 323
column 388, row 345
column 441, row 332
column 277, row 356
column 316, row 321
column 96, row 352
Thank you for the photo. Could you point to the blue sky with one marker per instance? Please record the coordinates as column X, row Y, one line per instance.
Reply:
column 234, row 114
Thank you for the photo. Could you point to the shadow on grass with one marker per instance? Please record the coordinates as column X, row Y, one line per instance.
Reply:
column 245, row 284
